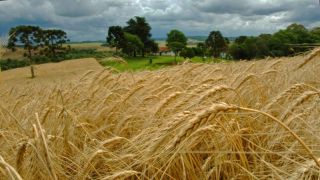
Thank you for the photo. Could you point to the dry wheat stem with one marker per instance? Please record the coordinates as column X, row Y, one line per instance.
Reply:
column 289, row 130
column 45, row 145
column 11, row 171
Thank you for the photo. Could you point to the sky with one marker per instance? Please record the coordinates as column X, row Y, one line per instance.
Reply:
column 89, row 19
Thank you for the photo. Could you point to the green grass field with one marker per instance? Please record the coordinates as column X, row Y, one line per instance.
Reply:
column 143, row 63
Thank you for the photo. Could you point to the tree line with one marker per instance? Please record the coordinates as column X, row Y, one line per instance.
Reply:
column 293, row 40
column 133, row 39
column 37, row 41
column 136, row 39
column 214, row 45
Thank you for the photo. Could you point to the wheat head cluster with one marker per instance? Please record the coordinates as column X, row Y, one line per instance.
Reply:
column 242, row 120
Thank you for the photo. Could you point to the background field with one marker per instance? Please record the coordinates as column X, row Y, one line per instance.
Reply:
column 239, row 120
column 105, row 56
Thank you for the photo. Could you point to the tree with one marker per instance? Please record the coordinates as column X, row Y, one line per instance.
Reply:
column 53, row 40
column 250, row 46
column 285, row 42
column 187, row 53
column 216, row 43
column 315, row 32
column 240, row 39
column 201, row 49
column 139, row 27
column 152, row 46
column 176, row 41
column 263, row 45
column 29, row 37
column 133, row 44
column 115, row 37
column 238, row 51
column 300, row 33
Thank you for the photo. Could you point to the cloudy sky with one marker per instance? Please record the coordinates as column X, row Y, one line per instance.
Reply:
column 89, row 19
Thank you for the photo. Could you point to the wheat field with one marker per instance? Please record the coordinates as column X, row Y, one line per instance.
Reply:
column 241, row 120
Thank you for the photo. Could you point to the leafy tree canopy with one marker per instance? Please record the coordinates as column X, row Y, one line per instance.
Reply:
column 176, row 36
column 115, row 37
column 133, row 44
column 216, row 43
column 176, row 41
column 187, row 53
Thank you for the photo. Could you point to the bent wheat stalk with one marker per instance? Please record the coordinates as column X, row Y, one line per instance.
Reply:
column 286, row 128
column 11, row 171
column 45, row 145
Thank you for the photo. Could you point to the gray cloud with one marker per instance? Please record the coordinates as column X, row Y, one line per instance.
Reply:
column 89, row 19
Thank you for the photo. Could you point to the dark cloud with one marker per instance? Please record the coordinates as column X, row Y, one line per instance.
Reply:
column 89, row 19
column 309, row 14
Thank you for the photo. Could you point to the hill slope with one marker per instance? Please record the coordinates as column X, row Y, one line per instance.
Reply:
column 244, row 120
column 50, row 73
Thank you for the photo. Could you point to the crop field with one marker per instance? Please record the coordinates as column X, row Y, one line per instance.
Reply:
column 240, row 120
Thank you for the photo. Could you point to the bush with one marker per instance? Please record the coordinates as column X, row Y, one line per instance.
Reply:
column 10, row 64
column 187, row 53
column 40, row 59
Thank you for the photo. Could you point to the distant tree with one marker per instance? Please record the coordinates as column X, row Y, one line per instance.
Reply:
column 251, row 48
column 197, row 51
column 240, row 39
column 176, row 41
column 201, row 49
column 115, row 37
column 315, row 32
column 238, row 51
column 286, row 42
column 140, row 27
column 216, row 43
column 187, row 53
column 263, row 45
column 53, row 40
column 300, row 33
column 132, row 45
column 291, row 38
column 152, row 46
column 227, row 40
column 29, row 37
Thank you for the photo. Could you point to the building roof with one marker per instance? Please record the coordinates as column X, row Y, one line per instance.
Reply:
column 164, row 49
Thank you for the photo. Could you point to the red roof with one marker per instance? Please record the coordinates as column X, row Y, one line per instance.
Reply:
column 164, row 49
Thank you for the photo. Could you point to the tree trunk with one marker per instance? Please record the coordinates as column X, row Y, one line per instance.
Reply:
column 52, row 48
column 175, row 58
column 32, row 71
column 31, row 66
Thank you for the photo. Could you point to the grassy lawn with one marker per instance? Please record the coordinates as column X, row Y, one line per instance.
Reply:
column 140, row 63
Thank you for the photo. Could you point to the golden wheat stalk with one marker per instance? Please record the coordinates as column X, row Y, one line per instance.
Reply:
column 46, row 148
column 311, row 56
column 309, row 151
column 200, row 118
column 125, row 174
column 11, row 171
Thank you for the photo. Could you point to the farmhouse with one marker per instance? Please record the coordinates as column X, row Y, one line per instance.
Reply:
column 165, row 51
